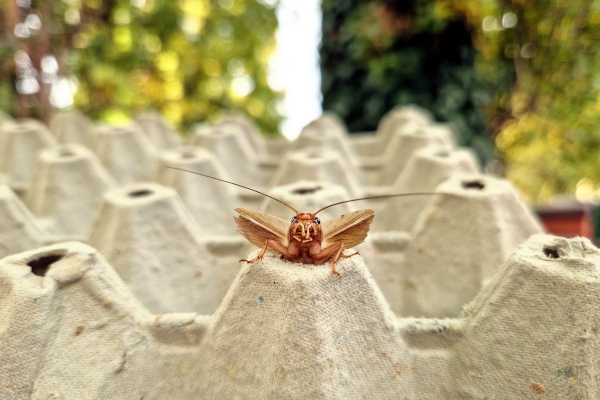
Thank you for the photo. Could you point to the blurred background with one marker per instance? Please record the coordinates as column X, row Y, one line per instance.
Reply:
column 518, row 80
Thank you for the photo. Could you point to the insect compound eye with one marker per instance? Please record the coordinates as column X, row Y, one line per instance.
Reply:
column 293, row 218
column 317, row 220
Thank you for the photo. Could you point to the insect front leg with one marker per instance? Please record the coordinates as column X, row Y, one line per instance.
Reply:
column 275, row 246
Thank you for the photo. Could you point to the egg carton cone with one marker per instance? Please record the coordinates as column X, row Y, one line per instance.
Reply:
column 20, row 143
column 326, row 126
column 246, row 127
column 315, row 336
column 268, row 163
column 399, row 116
column 424, row 171
column 72, row 127
column 233, row 151
column 398, row 119
column 327, row 132
column 323, row 133
column 66, row 188
column 317, row 164
column 209, row 201
column 69, row 326
column 312, row 335
column 126, row 152
column 307, row 196
column 334, row 122
column 405, row 143
column 268, row 151
column 533, row 331
column 276, row 147
column 516, row 339
column 155, row 245
column 457, row 245
column 20, row 230
column 445, row 131
column 264, row 156
column 162, row 135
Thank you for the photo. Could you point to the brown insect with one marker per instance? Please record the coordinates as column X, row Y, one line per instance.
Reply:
column 305, row 240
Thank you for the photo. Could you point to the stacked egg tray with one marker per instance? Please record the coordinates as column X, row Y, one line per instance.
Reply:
column 120, row 277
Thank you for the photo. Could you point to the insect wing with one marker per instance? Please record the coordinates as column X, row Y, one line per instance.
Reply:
column 258, row 227
column 350, row 229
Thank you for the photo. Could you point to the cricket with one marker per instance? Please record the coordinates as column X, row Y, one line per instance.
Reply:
column 305, row 239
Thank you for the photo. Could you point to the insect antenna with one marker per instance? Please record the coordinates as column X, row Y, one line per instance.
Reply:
column 380, row 197
column 231, row 183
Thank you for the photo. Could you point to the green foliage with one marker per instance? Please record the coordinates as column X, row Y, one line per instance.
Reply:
column 6, row 83
column 190, row 59
column 534, row 67
column 548, row 124
column 379, row 54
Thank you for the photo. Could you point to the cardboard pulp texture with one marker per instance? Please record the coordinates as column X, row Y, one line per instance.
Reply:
column 66, row 189
column 170, row 264
column 70, row 329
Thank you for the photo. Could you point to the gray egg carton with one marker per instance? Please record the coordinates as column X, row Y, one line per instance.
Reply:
column 157, row 306
column 71, row 329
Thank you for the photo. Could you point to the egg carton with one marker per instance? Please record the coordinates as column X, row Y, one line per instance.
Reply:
column 170, row 234
column 70, row 328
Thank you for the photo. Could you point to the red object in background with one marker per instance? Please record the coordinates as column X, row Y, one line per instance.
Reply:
column 568, row 220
